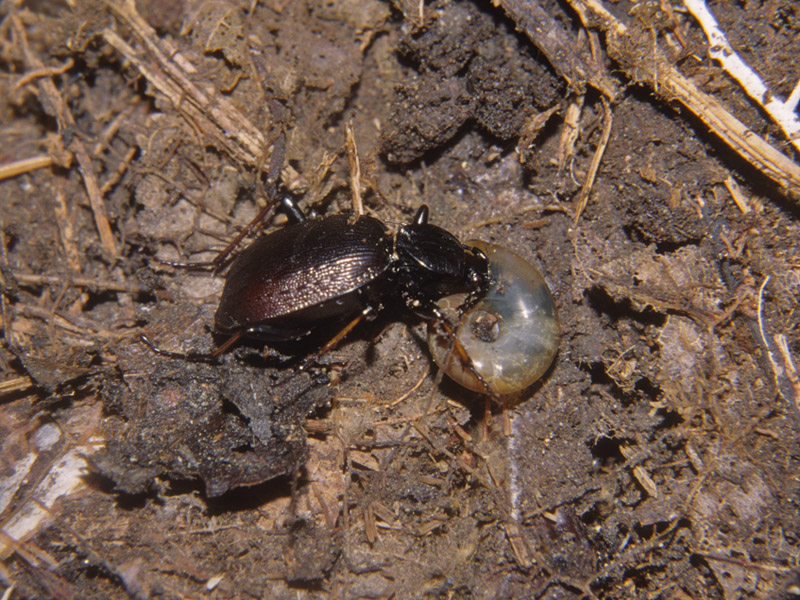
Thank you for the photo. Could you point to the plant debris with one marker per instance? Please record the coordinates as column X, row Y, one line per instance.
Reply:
column 602, row 141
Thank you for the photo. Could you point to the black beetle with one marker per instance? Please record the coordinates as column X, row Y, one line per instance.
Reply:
column 313, row 270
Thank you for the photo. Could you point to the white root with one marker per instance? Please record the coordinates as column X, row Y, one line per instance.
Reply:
column 719, row 48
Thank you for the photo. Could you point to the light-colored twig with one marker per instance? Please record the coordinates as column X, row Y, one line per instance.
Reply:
column 81, row 282
column 586, row 188
column 787, row 376
column 43, row 72
column 17, row 384
column 784, row 371
column 95, row 197
column 570, row 130
column 623, row 47
column 355, row 168
column 794, row 98
column 739, row 198
column 18, row 167
column 764, row 339
column 720, row 49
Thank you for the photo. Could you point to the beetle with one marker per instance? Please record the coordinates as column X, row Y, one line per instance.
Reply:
column 313, row 270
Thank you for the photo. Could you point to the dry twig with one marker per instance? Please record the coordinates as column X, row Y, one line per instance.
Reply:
column 80, row 282
column 559, row 48
column 570, row 131
column 25, row 165
column 355, row 168
column 784, row 370
column 66, row 122
column 586, row 188
column 719, row 48
column 95, row 197
column 169, row 72
column 652, row 67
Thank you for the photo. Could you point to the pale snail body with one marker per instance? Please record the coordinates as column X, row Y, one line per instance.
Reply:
column 511, row 334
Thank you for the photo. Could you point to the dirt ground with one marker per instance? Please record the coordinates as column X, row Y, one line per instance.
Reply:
column 657, row 458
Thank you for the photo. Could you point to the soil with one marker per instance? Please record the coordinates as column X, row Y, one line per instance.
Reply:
column 657, row 458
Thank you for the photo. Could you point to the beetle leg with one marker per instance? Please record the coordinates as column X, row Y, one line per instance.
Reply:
column 210, row 357
column 460, row 353
column 228, row 343
column 334, row 341
column 221, row 259
column 290, row 208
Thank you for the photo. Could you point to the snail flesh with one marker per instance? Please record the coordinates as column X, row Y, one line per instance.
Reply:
column 510, row 335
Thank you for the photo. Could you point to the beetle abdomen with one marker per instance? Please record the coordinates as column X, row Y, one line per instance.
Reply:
column 300, row 266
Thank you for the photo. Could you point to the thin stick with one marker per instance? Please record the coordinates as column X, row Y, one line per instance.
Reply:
column 85, row 282
column 570, row 131
column 43, row 71
column 794, row 97
column 15, row 385
column 24, row 166
column 622, row 47
column 720, row 49
column 761, row 315
column 413, row 388
column 95, row 198
column 787, row 376
column 586, row 188
column 355, row 168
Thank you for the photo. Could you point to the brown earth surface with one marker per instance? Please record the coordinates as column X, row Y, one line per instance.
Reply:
column 657, row 458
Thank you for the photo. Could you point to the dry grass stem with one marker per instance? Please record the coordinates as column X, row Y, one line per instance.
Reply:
column 720, row 49
column 169, row 72
column 570, row 131
column 25, row 165
column 95, row 198
column 355, row 169
column 654, row 69
column 586, row 188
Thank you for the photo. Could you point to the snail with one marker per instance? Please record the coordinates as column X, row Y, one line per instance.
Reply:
column 510, row 334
